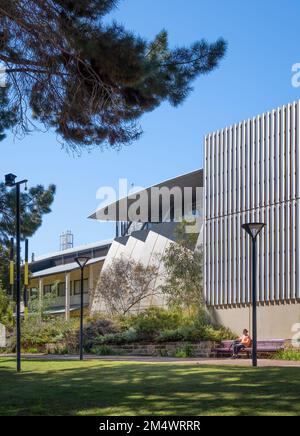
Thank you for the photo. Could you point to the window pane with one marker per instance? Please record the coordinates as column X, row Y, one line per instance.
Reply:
column 34, row 292
column 77, row 286
column 61, row 289
column 47, row 289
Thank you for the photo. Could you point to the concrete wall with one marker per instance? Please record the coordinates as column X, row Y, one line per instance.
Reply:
column 148, row 253
column 274, row 321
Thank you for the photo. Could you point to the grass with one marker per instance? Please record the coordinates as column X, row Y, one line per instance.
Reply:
column 127, row 388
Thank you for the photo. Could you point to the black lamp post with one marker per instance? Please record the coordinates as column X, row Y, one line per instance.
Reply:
column 253, row 230
column 10, row 181
column 82, row 261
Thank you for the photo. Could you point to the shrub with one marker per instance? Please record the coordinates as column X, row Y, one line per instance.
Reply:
column 194, row 333
column 102, row 350
column 161, row 326
column 36, row 333
column 96, row 327
column 6, row 310
column 185, row 352
column 121, row 338
column 170, row 336
column 288, row 354
column 32, row 350
column 150, row 323
column 162, row 352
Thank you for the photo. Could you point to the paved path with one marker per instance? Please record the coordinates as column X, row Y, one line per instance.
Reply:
column 195, row 361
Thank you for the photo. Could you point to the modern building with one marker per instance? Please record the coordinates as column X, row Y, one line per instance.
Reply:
column 142, row 236
column 252, row 173
column 148, row 220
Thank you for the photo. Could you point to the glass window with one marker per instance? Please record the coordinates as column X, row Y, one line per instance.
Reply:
column 61, row 289
column 34, row 292
column 48, row 289
column 77, row 287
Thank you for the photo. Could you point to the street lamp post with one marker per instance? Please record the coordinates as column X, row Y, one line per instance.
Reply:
column 253, row 230
column 82, row 261
column 10, row 181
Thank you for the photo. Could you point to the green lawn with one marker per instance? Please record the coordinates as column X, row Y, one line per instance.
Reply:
column 126, row 388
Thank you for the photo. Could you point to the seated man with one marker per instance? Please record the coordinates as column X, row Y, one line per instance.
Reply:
column 241, row 343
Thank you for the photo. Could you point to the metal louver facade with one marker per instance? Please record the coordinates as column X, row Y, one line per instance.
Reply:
column 252, row 173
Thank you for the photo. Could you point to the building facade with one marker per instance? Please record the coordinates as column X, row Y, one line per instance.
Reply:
column 59, row 274
column 143, row 238
column 252, row 173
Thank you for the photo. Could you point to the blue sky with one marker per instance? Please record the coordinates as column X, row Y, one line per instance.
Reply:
column 255, row 76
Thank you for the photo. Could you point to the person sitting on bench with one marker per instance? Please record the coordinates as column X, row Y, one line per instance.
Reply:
column 241, row 343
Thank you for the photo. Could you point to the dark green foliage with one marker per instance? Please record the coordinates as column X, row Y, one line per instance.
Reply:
column 150, row 323
column 8, row 115
column 120, row 338
column 90, row 80
column 161, row 325
column 184, row 277
column 195, row 333
column 185, row 352
column 35, row 203
column 6, row 309
column 102, row 350
column 292, row 354
column 153, row 326
column 96, row 327
column 36, row 333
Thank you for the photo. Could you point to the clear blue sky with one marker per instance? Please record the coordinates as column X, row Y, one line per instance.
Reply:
column 255, row 76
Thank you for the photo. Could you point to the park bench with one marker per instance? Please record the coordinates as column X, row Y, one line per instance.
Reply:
column 265, row 348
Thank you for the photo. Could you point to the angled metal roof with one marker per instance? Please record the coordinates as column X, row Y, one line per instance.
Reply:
column 119, row 209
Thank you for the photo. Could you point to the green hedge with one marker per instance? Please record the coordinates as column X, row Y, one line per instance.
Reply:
column 288, row 354
column 154, row 325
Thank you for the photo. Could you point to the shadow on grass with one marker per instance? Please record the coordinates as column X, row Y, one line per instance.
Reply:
column 126, row 388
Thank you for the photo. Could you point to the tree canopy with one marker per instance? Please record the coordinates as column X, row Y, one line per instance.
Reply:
column 89, row 80
column 123, row 285
column 183, row 262
column 34, row 205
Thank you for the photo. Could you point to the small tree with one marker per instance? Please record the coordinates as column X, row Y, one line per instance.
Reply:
column 6, row 309
column 39, row 307
column 183, row 284
column 124, row 284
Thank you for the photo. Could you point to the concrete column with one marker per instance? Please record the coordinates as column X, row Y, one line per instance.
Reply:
column 41, row 288
column 91, row 284
column 67, row 296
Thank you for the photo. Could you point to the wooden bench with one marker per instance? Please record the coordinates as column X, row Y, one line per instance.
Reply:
column 265, row 348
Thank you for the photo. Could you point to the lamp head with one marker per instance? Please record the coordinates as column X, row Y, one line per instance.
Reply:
column 253, row 229
column 82, row 260
column 10, row 180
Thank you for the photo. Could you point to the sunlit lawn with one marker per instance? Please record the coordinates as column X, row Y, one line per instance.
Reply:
column 126, row 388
